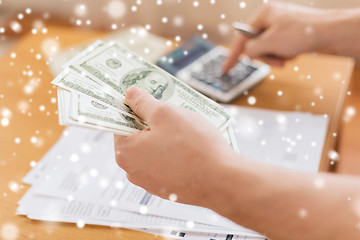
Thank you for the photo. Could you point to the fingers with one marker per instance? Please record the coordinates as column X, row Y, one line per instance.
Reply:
column 118, row 141
column 264, row 48
column 258, row 21
column 142, row 103
column 260, row 46
column 261, row 49
column 237, row 49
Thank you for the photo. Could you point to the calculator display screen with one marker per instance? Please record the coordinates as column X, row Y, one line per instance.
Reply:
column 187, row 53
column 185, row 57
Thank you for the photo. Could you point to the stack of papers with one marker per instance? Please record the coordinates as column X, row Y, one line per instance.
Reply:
column 78, row 181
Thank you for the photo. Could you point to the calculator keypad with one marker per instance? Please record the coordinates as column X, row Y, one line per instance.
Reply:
column 210, row 72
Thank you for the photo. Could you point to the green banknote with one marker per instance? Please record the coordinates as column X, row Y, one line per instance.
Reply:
column 116, row 69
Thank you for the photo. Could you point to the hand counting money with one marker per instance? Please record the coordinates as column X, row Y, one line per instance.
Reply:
column 92, row 86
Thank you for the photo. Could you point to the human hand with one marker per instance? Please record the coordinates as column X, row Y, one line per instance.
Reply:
column 179, row 153
column 287, row 30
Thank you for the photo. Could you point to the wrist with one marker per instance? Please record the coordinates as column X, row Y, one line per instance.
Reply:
column 339, row 32
column 235, row 185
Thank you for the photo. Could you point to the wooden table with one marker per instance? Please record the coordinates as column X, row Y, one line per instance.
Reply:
column 33, row 128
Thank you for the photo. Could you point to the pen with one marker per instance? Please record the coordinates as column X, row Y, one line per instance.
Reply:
column 246, row 29
column 251, row 32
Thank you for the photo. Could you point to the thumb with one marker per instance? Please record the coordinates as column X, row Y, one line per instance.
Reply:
column 259, row 46
column 142, row 103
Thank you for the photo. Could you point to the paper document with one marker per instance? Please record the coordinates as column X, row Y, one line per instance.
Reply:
column 292, row 140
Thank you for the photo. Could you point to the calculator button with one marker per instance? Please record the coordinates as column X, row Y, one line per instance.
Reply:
column 217, row 86
column 226, row 87
column 209, row 72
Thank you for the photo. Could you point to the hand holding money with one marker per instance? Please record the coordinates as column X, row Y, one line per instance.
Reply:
column 92, row 86
column 171, row 142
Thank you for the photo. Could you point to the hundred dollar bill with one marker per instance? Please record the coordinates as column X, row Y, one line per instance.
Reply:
column 82, row 111
column 115, row 67
column 85, row 86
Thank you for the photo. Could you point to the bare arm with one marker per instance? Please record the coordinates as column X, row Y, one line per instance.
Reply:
column 289, row 30
column 283, row 204
column 280, row 203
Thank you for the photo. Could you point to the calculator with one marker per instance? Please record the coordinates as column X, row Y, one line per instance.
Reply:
column 198, row 62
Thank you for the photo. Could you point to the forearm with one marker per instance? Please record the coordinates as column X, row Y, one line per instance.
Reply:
column 284, row 204
column 340, row 34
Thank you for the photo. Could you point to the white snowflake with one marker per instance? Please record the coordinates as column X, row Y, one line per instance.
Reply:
column 173, row 197
column 251, row 100
column 134, row 8
column 119, row 185
column 164, row 19
column 13, row 186
column 80, row 224
column 178, row 21
column 5, row 122
column 190, row 224
column 143, row 209
column 303, row 213
column 74, row 157
column 333, row 155
column 80, row 10
column 9, row 231
column 103, row 183
column 114, row 26
column 115, row 9
column 15, row 26
column 93, row 173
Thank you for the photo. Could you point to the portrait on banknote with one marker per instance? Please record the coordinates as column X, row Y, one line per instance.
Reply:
column 150, row 80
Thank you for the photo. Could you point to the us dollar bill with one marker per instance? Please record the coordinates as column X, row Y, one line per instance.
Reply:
column 78, row 110
column 82, row 111
column 83, row 85
column 116, row 69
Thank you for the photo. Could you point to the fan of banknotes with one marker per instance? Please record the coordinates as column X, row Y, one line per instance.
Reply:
column 92, row 86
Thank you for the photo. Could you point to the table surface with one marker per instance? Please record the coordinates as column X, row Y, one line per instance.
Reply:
column 30, row 98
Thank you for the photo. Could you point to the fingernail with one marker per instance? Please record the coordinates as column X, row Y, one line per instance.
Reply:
column 132, row 92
